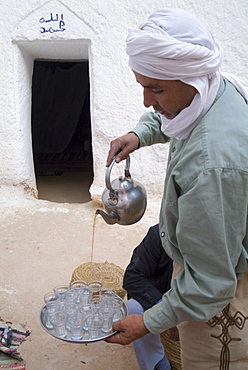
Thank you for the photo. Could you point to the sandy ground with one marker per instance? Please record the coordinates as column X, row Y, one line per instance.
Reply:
column 42, row 242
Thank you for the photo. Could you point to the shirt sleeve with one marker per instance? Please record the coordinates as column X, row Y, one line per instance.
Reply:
column 209, row 223
column 149, row 130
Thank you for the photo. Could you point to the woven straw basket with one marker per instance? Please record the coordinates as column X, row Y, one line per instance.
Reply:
column 110, row 275
column 172, row 350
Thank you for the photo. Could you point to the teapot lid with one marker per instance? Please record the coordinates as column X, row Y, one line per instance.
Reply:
column 122, row 183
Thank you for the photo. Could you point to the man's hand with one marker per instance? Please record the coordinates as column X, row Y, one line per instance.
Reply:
column 129, row 329
column 173, row 334
column 121, row 147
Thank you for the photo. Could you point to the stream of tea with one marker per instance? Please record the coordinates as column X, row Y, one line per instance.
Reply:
column 93, row 237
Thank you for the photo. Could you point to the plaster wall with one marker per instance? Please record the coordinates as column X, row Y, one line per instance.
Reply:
column 94, row 30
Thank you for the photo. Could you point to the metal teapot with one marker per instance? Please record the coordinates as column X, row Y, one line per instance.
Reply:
column 124, row 199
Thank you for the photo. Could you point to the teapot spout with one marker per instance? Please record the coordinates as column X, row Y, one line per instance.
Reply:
column 109, row 218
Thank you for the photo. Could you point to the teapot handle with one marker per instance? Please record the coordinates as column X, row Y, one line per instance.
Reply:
column 109, row 169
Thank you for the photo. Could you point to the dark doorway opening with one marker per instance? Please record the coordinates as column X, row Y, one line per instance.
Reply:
column 61, row 130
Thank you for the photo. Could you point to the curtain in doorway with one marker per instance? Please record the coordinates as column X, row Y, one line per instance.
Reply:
column 59, row 91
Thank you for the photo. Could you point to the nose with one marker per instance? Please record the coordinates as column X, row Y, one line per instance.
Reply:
column 149, row 98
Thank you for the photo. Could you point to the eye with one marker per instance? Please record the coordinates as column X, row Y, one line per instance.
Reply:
column 157, row 91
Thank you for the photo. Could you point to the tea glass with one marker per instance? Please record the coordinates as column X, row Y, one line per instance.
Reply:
column 107, row 313
column 88, row 310
column 71, row 296
column 50, row 296
column 70, row 309
column 77, row 286
column 60, row 292
column 95, row 288
column 58, row 320
column 84, row 296
column 94, row 324
column 117, row 304
column 107, row 296
column 50, row 308
column 75, row 322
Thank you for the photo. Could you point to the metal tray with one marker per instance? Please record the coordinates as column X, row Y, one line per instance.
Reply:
column 124, row 312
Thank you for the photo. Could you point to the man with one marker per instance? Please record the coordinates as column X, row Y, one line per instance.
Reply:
column 146, row 279
column 203, row 217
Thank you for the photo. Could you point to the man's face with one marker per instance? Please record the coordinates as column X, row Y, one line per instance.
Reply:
column 168, row 97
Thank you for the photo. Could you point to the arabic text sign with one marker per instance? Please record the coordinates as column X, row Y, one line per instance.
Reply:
column 57, row 26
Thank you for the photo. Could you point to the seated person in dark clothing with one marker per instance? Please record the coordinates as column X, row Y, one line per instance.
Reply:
column 146, row 279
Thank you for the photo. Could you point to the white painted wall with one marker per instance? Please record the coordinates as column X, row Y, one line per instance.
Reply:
column 93, row 29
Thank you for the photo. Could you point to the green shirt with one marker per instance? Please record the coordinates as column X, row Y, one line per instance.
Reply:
column 203, row 216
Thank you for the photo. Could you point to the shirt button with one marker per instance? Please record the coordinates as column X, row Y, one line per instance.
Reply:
column 162, row 234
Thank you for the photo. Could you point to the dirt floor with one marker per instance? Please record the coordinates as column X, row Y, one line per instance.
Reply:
column 42, row 242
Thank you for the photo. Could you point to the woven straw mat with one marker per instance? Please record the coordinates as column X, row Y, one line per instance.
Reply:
column 172, row 350
column 110, row 275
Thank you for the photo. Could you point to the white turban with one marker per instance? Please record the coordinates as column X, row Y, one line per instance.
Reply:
column 175, row 45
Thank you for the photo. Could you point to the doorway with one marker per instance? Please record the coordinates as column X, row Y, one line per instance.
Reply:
column 61, row 130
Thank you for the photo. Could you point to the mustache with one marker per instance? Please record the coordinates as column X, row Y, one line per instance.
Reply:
column 157, row 108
